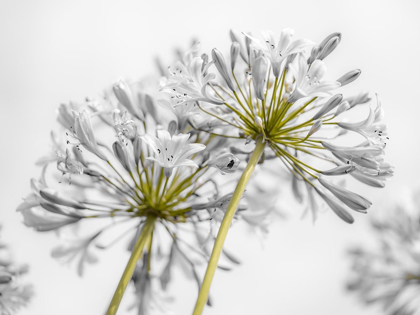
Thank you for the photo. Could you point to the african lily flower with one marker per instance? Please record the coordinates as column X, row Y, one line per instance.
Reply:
column 388, row 273
column 135, row 167
column 172, row 151
column 283, row 100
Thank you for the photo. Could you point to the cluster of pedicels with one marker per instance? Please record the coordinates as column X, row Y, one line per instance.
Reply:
column 138, row 164
column 387, row 273
column 14, row 292
column 146, row 156
column 273, row 92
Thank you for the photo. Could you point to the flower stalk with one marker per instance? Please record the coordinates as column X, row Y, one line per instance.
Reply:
column 224, row 227
column 136, row 254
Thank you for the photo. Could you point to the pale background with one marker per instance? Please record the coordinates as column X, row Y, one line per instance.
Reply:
column 56, row 51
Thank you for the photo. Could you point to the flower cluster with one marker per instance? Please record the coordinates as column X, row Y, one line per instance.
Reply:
column 276, row 93
column 389, row 273
column 132, row 160
column 14, row 293
column 145, row 157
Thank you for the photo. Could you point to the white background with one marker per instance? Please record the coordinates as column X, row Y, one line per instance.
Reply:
column 56, row 51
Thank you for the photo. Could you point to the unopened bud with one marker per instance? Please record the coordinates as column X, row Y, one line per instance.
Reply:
column 315, row 127
column 349, row 77
column 314, row 54
column 259, row 74
column 344, row 106
column 60, row 199
column 150, row 106
column 329, row 47
column 137, row 150
column 123, row 94
column 259, row 121
column 236, row 36
column 234, row 52
column 220, row 63
column 329, row 105
column 361, row 98
column 172, row 127
column 340, row 170
column 120, row 154
column 327, row 39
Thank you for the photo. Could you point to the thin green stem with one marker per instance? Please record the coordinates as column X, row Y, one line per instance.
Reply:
column 224, row 227
column 145, row 234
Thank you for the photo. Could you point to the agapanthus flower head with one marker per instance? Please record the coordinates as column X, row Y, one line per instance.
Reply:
column 388, row 273
column 284, row 97
column 14, row 292
column 134, row 170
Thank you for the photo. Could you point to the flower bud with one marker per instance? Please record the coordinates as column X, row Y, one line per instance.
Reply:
column 236, row 36
column 259, row 74
column 5, row 277
column 329, row 47
column 90, row 172
column 150, row 106
column 335, row 206
column 123, row 94
column 220, row 63
column 314, row 54
column 172, row 127
column 361, row 98
column 258, row 121
column 226, row 163
column 349, row 77
column 234, row 52
column 329, row 105
column 344, row 106
column 349, row 198
column 315, row 127
column 53, row 208
column 328, row 38
column 60, row 199
column 137, row 149
column 340, row 170
column 368, row 180
column 121, row 155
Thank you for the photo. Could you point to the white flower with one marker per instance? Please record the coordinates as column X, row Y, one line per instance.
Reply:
column 372, row 128
column 192, row 86
column 277, row 52
column 171, row 152
column 84, row 132
column 309, row 79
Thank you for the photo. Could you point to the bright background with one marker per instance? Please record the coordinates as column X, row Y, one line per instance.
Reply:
column 56, row 51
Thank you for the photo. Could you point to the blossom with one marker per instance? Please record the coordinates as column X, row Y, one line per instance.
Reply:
column 276, row 52
column 291, row 107
column 84, row 132
column 388, row 272
column 172, row 151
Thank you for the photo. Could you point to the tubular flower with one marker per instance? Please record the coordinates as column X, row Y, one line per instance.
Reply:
column 277, row 52
column 116, row 182
column 388, row 273
column 172, row 151
column 291, row 107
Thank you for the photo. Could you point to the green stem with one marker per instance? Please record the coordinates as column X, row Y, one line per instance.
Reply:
column 137, row 252
column 224, row 227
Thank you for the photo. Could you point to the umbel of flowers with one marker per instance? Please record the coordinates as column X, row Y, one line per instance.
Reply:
column 14, row 292
column 280, row 98
column 388, row 272
column 146, row 154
